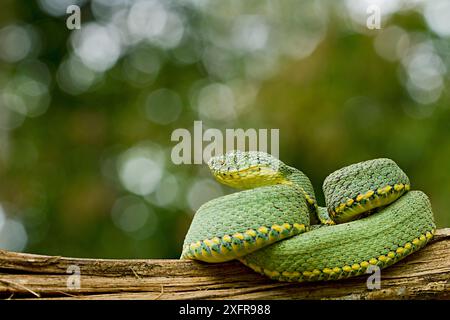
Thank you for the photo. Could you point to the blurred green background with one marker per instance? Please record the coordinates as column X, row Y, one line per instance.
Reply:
column 86, row 115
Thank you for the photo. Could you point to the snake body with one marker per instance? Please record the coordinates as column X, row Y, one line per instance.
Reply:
column 371, row 219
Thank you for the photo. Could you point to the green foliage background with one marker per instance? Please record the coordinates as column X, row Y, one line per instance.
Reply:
column 343, row 102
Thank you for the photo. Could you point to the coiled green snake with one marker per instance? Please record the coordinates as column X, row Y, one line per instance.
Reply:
column 371, row 218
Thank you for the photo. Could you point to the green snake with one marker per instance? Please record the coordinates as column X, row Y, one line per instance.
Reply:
column 371, row 219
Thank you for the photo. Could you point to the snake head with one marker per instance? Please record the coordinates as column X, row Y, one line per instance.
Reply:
column 246, row 170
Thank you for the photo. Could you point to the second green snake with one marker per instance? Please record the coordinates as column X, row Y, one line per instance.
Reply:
column 371, row 218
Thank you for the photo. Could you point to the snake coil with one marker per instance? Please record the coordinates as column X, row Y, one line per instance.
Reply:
column 371, row 219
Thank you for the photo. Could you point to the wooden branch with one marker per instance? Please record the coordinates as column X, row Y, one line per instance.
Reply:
column 423, row 275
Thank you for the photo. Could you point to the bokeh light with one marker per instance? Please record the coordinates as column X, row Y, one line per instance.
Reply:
column 436, row 14
column 97, row 46
column 202, row 190
column 163, row 106
column 16, row 43
column 141, row 169
column 12, row 233
column 86, row 115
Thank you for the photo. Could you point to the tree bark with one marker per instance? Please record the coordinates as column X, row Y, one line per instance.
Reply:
column 423, row 275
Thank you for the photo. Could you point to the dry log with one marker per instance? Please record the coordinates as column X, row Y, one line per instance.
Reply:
column 423, row 275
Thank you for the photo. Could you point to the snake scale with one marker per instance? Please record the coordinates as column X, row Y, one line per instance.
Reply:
column 276, row 227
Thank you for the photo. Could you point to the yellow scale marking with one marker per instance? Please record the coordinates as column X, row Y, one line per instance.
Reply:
column 245, row 246
column 401, row 252
column 349, row 203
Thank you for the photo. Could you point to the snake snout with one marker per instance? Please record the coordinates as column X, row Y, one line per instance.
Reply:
column 217, row 162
